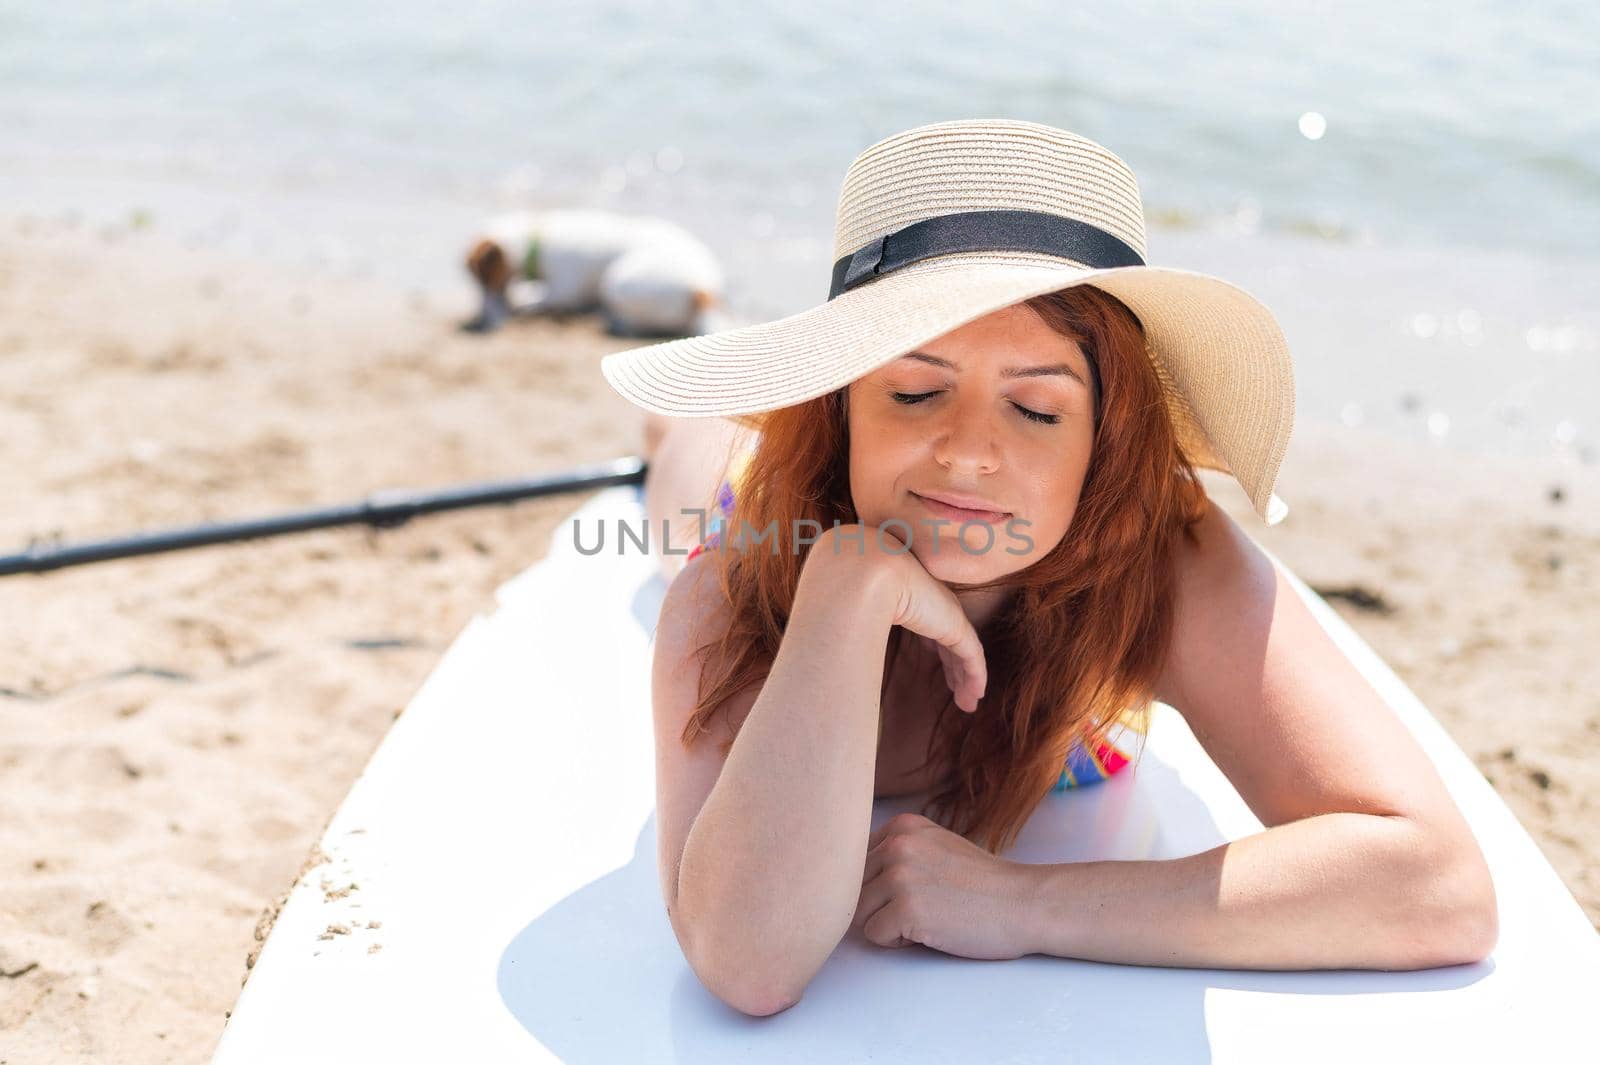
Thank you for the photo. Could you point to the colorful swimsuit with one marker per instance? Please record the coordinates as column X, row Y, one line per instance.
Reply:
column 1083, row 767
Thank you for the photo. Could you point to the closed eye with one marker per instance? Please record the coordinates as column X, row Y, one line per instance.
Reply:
column 909, row 398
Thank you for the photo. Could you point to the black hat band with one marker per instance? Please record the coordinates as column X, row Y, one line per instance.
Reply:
column 997, row 230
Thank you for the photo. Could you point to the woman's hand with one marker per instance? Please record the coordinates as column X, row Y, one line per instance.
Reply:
column 924, row 884
column 922, row 604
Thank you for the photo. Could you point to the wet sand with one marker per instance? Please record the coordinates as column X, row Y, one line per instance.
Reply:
column 179, row 728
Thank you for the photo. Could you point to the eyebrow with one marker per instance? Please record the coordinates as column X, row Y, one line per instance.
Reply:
column 1055, row 370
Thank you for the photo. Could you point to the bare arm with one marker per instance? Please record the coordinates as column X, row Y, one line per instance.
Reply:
column 1332, row 891
column 771, row 869
column 1365, row 861
column 687, row 463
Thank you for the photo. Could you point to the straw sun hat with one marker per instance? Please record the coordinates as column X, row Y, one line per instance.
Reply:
column 944, row 223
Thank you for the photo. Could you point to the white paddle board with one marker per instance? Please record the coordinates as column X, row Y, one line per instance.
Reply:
column 490, row 893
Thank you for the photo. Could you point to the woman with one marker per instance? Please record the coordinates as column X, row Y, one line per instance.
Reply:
column 994, row 339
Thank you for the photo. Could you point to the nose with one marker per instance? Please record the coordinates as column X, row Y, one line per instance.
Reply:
column 966, row 441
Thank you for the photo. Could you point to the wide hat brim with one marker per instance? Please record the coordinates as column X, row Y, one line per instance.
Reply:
column 1221, row 358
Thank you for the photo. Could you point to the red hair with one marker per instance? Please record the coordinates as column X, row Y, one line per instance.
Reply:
column 1081, row 643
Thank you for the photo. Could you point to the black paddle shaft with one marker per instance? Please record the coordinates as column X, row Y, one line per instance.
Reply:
column 383, row 509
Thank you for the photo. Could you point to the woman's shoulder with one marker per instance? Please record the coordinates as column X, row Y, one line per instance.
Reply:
column 1220, row 555
column 1220, row 576
column 695, row 614
column 695, row 607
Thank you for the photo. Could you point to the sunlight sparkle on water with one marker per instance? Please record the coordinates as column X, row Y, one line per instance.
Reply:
column 1313, row 125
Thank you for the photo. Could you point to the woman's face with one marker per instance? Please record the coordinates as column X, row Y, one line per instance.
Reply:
column 1007, row 422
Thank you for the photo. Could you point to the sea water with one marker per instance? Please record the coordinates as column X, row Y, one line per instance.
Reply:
column 1413, row 190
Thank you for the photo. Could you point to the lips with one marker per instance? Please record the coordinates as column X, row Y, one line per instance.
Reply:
column 961, row 507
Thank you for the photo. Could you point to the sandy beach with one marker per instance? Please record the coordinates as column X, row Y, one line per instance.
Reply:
column 178, row 728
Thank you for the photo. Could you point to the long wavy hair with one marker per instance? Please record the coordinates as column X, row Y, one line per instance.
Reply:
column 1075, row 651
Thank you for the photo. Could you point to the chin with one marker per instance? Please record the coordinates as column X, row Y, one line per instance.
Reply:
column 969, row 564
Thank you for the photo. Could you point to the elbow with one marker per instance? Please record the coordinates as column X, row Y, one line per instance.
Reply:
column 1479, row 923
column 1477, row 907
column 750, row 985
column 758, row 1002
column 1470, row 939
column 754, row 993
column 1465, row 911
column 1487, row 939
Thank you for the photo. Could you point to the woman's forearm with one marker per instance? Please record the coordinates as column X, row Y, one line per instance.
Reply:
column 1333, row 891
column 771, row 869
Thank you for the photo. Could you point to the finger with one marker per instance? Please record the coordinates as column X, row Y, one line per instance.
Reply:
column 975, row 661
column 874, row 897
column 879, row 834
column 954, row 668
column 967, row 651
column 977, row 669
column 883, row 927
column 966, row 690
column 959, row 679
column 875, row 837
column 955, row 679
column 892, row 826
column 873, row 865
column 895, row 825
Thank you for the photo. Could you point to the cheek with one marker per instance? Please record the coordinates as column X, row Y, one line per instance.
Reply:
column 1054, row 496
column 1051, row 508
column 876, row 456
column 864, row 479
